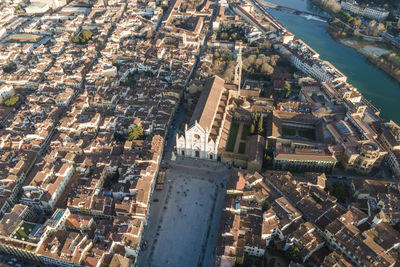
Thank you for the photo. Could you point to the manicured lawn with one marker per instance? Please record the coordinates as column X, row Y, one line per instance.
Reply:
column 288, row 132
column 23, row 232
column 309, row 134
column 232, row 137
column 242, row 148
column 245, row 132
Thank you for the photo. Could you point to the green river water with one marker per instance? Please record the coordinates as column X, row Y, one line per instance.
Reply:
column 375, row 85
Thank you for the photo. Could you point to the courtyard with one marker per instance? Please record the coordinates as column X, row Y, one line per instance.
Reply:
column 307, row 134
column 184, row 216
column 237, row 137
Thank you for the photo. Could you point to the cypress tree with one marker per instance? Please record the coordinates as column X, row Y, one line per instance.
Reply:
column 260, row 128
column 253, row 124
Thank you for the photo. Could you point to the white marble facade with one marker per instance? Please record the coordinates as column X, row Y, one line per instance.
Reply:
column 196, row 143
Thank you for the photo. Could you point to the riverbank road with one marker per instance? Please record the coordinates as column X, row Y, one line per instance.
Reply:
column 184, row 216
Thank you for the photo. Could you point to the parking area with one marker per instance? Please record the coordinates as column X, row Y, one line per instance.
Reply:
column 184, row 216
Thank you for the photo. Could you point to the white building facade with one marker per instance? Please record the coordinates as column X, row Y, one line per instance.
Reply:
column 368, row 12
column 201, row 137
column 196, row 143
column 6, row 91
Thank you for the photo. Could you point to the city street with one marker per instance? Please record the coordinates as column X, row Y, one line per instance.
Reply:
column 184, row 216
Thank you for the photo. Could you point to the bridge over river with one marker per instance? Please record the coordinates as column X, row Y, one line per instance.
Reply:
column 293, row 10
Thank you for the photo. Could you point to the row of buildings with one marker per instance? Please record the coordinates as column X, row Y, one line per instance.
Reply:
column 365, row 11
column 74, row 190
column 294, row 213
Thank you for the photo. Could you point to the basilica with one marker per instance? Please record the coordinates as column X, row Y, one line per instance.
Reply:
column 201, row 137
column 205, row 135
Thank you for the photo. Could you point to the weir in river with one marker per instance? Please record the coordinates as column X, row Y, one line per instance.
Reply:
column 293, row 10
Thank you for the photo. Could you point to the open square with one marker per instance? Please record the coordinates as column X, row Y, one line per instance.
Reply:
column 184, row 218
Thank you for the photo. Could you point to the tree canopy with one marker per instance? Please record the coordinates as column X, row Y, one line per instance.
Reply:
column 257, row 125
column 286, row 89
column 135, row 133
column 11, row 101
column 338, row 190
column 260, row 65
column 83, row 37
column 260, row 128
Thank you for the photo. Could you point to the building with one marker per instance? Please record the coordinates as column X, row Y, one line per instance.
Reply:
column 6, row 91
column 363, row 158
column 46, row 188
column 394, row 162
column 255, row 152
column 3, row 31
column 368, row 12
column 304, row 58
column 202, row 135
column 59, row 3
column 37, row 8
column 303, row 159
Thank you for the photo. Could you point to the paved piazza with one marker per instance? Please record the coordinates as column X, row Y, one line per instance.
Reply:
column 184, row 219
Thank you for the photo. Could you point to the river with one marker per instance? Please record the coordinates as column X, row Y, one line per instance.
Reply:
column 375, row 85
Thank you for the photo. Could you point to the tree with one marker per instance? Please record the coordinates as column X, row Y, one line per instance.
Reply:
column 229, row 72
column 267, row 69
column 260, row 128
column 135, row 133
column 259, row 62
column 338, row 190
column 253, row 124
column 274, row 59
column 286, row 89
column 11, row 101
column 75, row 39
column 86, row 34
column 82, row 37
column 357, row 22
column 381, row 27
column 331, row 5
column 372, row 23
column 252, row 128
column 294, row 253
column 265, row 205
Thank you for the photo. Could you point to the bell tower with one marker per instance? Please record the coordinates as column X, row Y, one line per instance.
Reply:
column 238, row 68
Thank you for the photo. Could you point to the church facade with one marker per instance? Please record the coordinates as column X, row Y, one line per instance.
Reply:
column 201, row 136
column 205, row 135
column 197, row 144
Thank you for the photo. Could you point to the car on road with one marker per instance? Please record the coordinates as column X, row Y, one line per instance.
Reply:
column 155, row 200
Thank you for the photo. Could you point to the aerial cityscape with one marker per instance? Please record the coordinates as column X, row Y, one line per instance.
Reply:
column 200, row 133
